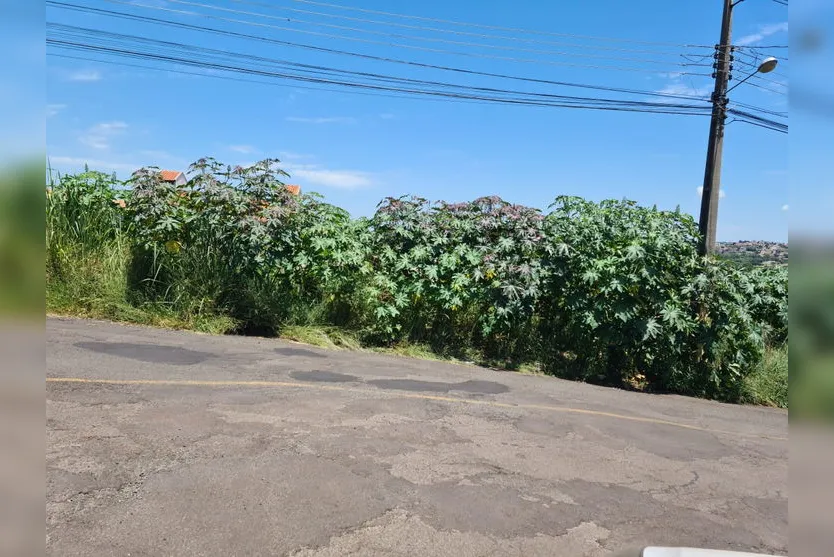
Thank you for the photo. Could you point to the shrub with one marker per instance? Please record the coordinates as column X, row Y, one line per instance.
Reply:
column 613, row 307
column 627, row 300
column 767, row 293
column 726, row 343
column 455, row 274
column 236, row 241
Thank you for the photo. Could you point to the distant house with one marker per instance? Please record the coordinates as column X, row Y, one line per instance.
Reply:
column 295, row 190
column 174, row 177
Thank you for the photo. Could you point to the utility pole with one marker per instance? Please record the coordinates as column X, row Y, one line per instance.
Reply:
column 708, row 221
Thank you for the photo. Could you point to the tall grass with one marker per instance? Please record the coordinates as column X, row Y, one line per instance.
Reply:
column 768, row 383
column 90, row 259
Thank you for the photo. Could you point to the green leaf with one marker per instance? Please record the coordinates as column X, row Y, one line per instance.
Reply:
column 652, row 329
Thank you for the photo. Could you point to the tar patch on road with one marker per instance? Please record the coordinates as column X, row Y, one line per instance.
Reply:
column 302, row 352
column 150, row 353
column 322, row 376
column 476, row 387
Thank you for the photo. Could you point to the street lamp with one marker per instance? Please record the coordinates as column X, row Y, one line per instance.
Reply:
column 768, row 65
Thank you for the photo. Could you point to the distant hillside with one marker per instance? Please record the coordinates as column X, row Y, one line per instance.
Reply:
column 754, row 252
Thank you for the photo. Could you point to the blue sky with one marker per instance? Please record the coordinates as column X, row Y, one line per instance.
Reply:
column 356, row 149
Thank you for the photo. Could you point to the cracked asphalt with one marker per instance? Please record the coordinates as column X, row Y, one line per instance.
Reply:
column 171, row 443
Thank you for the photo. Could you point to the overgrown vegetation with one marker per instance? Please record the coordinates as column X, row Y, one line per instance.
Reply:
column 606, row 292
column 767, row 384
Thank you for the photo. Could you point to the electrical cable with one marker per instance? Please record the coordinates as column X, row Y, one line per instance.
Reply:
column 322, row 75
column 314, row 76
column 524, row 39
column 136, row 4
column 496, row 27
column 148, row 19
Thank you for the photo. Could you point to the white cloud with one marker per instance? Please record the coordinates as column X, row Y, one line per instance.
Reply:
column 322, row 120
column 786, row 207
column 339, row 179
column 162, row 159
column 77, row 163
column 85, row 75
column 289, row 155
column 100, row 135
column 53, row 109
column 243, row 149
column 764, row 32
column 721, row 193
column 386, row 116
column 679, row 88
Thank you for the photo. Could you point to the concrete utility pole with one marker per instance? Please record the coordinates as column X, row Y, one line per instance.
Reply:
column 712, row 175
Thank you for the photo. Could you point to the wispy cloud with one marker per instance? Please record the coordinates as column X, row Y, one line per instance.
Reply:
column 685, row 89
column 100, row 135
column 322, row 120
column 243, row 149
column 339, row 179
column 290, row 156
column 677, row 88
column 85, row 75
column 386, row 116
column 721, row 193
column 764, row 32
column 53, row 109
column 157, row 157
column 79, row 162
column 786, row 207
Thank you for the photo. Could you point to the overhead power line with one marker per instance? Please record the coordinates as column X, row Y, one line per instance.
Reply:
column 762, row 46
column 462, row 71
column 158, row 21
column 640, row 107
column 537, row 61
column 514, row 38
column 238, row 79
column 259, row 15
column 750, row 118
column 768, row 89
column 497, row 27
column 188, row 55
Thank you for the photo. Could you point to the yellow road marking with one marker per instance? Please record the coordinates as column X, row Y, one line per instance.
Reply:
column 457, row 400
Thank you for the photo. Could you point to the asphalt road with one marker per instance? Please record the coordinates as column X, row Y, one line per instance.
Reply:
column 166, row 443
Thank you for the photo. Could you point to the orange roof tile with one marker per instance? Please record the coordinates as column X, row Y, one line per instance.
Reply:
column 170, row 175
column 295, row 190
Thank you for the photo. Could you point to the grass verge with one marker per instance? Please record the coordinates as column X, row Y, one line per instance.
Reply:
column 96, row 287
column 767, row 385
